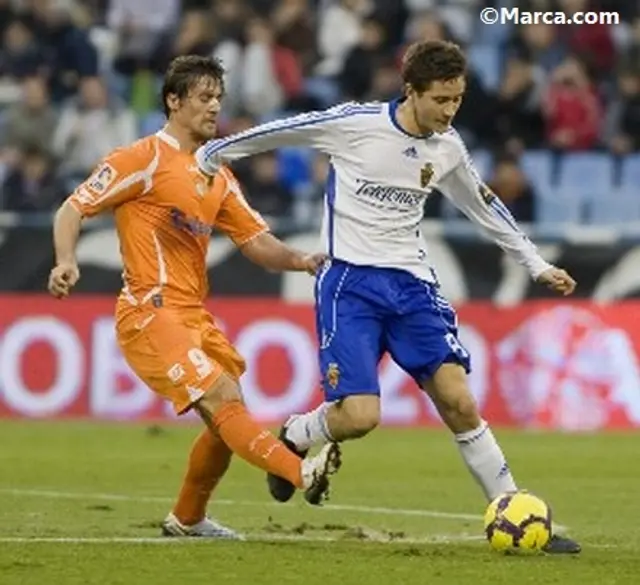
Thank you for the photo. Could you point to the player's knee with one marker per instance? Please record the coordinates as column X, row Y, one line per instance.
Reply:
column 452, row 397
column 361, row 414
column 464, row 410
column 224, row 390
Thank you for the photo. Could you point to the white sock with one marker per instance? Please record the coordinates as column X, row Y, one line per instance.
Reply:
column 485, row 460
column 310, row 429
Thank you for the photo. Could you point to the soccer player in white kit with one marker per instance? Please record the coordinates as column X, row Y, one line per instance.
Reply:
column 378, row 293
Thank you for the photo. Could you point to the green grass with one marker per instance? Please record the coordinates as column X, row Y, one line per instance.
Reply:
column 81, row 480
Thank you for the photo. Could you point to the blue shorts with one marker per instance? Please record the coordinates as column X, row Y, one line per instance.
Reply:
column 363, row 312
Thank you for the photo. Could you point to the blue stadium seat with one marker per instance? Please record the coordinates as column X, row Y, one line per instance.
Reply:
column 592, row 172
column 618, row 206
column 555, row 207
column 584, row 178
column 538, row 166
column 485, row 61
column 630, row 172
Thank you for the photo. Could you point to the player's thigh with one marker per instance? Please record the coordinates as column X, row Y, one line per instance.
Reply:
column 216, row 345
column 349, row 331
column 167, row 355
column 423, row 339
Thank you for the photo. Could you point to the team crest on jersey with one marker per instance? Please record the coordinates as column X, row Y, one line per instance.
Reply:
column 426, row 174
column 333, row 375
column 486, row 193
column 102, row 178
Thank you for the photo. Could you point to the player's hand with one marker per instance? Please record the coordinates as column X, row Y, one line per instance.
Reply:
column 63, row 278
column 558, row 280
column 312, row 263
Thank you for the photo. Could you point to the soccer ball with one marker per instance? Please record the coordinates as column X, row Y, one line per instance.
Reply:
column 517, row 522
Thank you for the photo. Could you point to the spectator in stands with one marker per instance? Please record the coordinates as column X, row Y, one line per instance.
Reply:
column 292, row 24
column 592, row 42
column 32, row 185
column 362, row 61
column 194, row 37
column 623, row 126
column 571, row 108
column 632, row 56
column 7, row 15
column 140, row 25
column 263, row 186
column 339, row 29
column 260, row 91
column 90, row 127
column 386, row 83
column 538, row 43
column 518, row 118
column 30, row 122
column 21, row 55
column 512, row 186
column 69, row 54
column 426, row 26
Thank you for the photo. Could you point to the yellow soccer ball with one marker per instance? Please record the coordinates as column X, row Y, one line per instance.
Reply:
column 518, row 522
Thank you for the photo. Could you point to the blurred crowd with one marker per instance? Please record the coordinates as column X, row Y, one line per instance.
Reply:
column 81, row 77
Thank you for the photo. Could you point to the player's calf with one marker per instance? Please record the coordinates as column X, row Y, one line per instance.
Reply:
column 450, row 393
column 350, row 418
column 224, row 413
column 479, row 449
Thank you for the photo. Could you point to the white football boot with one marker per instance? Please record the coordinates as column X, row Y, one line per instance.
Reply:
column 206, row 528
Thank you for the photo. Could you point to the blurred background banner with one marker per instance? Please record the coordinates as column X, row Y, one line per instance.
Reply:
column 572, row 366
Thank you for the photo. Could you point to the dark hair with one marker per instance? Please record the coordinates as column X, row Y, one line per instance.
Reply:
column 429, row 61
column 185, row 72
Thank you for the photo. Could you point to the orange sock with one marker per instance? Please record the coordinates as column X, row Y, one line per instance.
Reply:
column 254, row 444
column 208, row 462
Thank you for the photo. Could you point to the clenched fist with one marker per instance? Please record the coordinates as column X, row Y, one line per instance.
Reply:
column 558, row 280
column 63, row 278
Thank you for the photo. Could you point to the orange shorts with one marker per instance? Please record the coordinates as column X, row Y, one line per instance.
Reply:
column 178, row 353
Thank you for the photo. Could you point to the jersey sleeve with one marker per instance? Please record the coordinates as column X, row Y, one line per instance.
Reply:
column 236, row 218
column 321, row 130
column 123, row 175
column 470, row 194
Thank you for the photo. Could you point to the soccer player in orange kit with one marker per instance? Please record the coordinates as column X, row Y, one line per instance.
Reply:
column 165, row 210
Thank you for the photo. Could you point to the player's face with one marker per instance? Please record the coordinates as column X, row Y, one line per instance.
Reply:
column 436, row 107
column 199, row 110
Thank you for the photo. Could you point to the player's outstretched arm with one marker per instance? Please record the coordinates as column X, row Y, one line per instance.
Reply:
column 326, row 131
column 274, row 255
column 66, row 230
column 464, row 187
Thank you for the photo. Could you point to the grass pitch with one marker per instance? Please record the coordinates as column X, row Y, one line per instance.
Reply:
column 81, row 504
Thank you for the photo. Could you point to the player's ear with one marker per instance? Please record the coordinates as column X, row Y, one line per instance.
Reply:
column 173, row 102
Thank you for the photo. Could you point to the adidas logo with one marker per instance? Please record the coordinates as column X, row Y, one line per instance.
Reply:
column 411, row 152
column 504, row 470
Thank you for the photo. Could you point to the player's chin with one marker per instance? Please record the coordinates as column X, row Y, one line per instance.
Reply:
column 208, row 130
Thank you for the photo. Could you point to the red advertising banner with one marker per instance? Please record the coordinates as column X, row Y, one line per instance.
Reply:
column 555, row 365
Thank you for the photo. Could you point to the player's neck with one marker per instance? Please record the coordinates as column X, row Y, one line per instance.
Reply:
column 406, row 118
column 182, row 136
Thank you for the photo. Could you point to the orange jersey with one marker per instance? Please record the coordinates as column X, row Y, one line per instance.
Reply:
column 165, row 211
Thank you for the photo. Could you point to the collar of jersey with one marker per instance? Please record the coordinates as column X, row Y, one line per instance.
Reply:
column 393, row 109
column 164, row 135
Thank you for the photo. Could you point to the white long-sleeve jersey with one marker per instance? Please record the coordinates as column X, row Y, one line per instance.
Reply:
column 378, row 182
